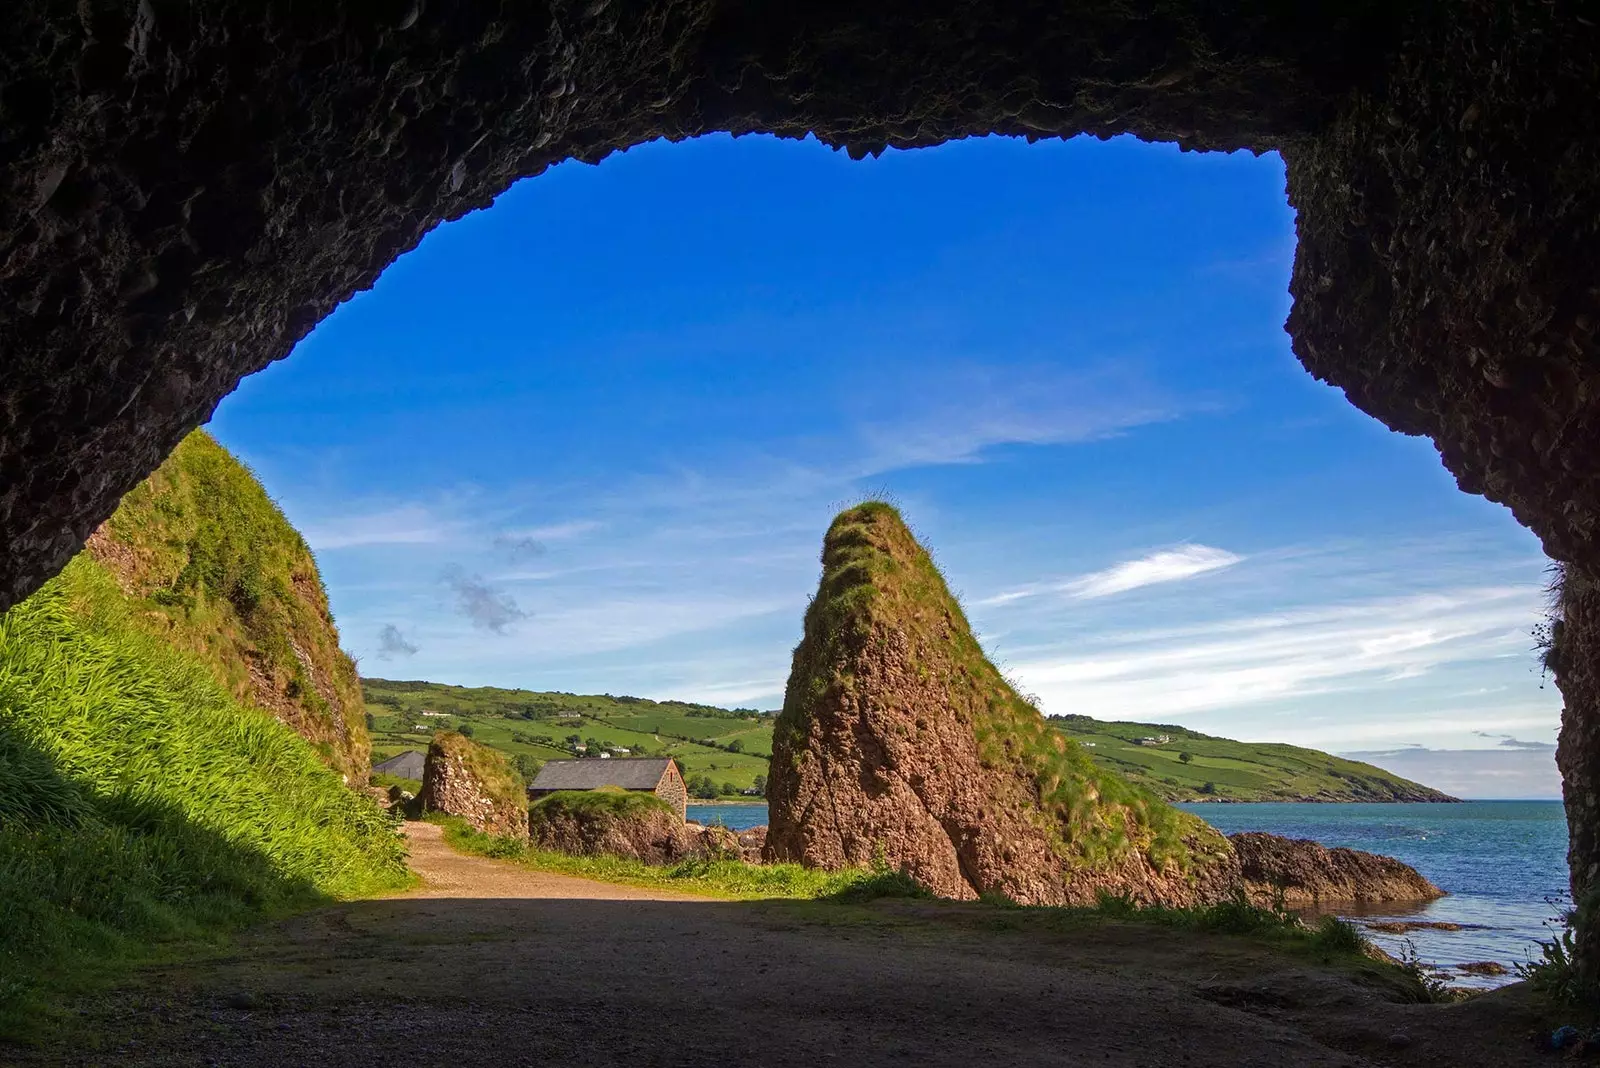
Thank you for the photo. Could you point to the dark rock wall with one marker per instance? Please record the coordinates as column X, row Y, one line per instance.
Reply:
column 1448, row 279
column 1448, row 270
column 1573, row 657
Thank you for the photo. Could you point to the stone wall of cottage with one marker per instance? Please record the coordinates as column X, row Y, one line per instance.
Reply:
column 672, row 790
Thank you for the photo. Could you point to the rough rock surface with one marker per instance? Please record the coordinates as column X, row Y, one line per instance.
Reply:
column 655, row 836
column 1299, row 873
column 900, row 743
column 752, row 843
column 643, row 831
column 463, row 778
column 1573, row 657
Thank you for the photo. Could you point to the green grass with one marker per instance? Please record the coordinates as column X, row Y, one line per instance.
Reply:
column 216, row 570
column 606, row 801
column 1235, row 771
column 141, row 804
column 725, row 879
column 410, row 786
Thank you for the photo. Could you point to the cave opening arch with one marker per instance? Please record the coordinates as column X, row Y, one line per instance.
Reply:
column 188, row 192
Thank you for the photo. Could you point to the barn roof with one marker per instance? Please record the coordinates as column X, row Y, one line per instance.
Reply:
column 638, row 773
column 407, row 765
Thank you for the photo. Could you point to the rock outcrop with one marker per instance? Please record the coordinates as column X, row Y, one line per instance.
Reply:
column 633, row 825
column 210, row 565
column 462, row 778
column 900, row 743
column 753, row 843
column 1298, row 873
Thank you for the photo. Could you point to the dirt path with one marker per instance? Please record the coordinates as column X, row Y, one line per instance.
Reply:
column 447, row 874
column 493, row 965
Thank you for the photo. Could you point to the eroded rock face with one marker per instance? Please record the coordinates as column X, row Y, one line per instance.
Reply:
column 652, row 833
column 900, row 744
column 462, row 778
column 1297, row 873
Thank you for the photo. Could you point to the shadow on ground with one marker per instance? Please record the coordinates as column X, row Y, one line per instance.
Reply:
column 466, row 982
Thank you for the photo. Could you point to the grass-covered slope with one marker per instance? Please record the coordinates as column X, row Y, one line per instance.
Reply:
column 895, row 720
column 1190, row 766
column 212, row 567
column 140, row 801
column 726, row 747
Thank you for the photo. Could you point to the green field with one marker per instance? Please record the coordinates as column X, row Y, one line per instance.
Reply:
column 1219, row 769
column 538, row 726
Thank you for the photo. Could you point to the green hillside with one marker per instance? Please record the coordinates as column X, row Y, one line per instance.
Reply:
column 537, row 725
column 1219, row 769
column 728, row 747
column 177, row 726
column 212, row 567
column 140, row 802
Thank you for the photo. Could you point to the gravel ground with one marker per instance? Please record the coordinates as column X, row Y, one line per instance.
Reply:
column 491, row 964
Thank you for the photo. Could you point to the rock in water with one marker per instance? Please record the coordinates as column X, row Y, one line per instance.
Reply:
column 463, row 778
column 1299, row 873
column 899, row 743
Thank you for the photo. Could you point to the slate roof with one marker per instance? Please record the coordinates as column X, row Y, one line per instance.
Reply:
column 407, row 765
column 637, row 773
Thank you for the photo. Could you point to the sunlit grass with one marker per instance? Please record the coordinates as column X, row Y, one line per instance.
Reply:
column 139, row 803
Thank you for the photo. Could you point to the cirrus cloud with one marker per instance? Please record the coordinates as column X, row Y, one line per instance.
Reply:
column 1166, row 565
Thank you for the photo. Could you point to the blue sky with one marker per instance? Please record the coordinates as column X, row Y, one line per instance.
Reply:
column 589, row 440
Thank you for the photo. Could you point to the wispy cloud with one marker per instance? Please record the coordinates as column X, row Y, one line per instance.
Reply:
column 484, row 606
column 405, row 525
column 958, row 414
column 562, row 531
column 519, row 547
column 392, row 643
column 1238, row 661
column 1167, row 565
column 1507, row 741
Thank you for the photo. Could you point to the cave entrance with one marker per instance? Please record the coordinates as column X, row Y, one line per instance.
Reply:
column 588, row 440
column 191, row 192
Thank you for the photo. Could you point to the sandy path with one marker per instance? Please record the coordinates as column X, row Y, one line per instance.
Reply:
column 448, row 874
column 492, row 965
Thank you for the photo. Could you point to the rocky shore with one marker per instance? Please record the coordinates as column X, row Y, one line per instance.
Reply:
column 1298, row 873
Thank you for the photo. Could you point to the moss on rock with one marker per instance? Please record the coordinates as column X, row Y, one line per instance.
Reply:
column 215, row 570
column 899, row 740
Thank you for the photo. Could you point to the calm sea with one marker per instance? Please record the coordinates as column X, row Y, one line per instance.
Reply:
column 1503, row 863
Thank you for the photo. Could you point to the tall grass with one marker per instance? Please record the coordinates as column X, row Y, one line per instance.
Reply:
column 139, row 802
column 223, row 575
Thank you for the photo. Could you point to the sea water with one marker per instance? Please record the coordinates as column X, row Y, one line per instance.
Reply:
column 735, row 817
column 1503, row 864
